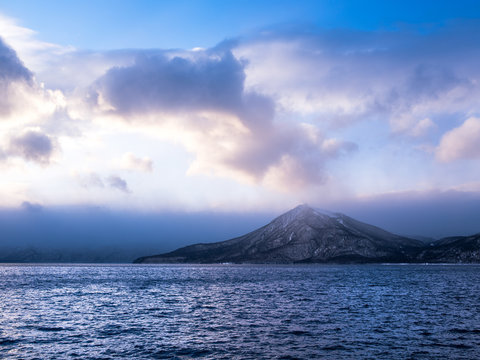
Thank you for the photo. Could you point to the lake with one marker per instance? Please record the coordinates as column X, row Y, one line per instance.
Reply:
column 239, row 311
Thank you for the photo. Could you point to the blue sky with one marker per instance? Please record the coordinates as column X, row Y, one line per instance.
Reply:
column 115, row 24
column 240, row 106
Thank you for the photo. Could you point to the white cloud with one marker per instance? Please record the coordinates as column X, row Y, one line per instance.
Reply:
column 461, row 143
column 409, row 125
column 134, row 163
column 422, row 127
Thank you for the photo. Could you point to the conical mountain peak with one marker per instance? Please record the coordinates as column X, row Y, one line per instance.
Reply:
column 305, row 212
column 298, row 211
column 303, row 234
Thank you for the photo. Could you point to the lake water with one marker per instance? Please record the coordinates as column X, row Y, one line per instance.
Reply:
column 239, row 312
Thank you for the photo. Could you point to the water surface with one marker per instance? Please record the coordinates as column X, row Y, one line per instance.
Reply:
column 239, row 312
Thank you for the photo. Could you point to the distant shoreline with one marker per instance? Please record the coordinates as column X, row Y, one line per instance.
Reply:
column 131, row 264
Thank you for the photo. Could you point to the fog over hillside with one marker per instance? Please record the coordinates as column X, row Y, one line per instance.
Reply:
column 100, row 235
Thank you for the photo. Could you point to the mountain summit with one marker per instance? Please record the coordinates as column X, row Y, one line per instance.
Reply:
column 301, row 235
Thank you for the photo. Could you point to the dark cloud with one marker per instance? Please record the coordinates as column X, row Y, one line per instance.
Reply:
column 159, row 83
column 32, row 146
column 11, row 70
column 116, row 182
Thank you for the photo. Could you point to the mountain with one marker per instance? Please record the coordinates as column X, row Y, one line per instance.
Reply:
column 457, row 249
column 302, row 235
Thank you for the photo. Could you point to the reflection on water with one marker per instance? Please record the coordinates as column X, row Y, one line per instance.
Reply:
column 245, row 312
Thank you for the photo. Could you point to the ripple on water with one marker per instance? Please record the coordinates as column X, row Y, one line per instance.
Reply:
column 243, row 312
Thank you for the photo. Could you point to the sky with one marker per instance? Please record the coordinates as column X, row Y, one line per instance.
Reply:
column 238, row 107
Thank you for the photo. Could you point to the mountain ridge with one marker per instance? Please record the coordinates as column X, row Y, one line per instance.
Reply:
column 305, row 234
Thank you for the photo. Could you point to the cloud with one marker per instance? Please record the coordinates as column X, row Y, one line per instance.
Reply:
column 241, row 108
column 12, row 72
column 422, row 127
column 116, row 182
column 11, row 68
column 31, row 116
column 92, row 180
column 89, row 180
column 198, row 99
column 32, row 146
column 35, row 53
column 161, row 83
column 461, row 142
column 278, row 109
column 133, row 163
column 346, row 76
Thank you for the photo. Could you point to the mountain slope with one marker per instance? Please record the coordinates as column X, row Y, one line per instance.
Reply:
column 303, row 234
column 458, row 249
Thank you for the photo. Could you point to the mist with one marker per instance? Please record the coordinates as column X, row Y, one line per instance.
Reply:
column 90, row 234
